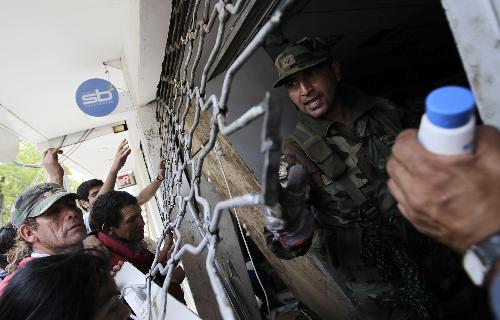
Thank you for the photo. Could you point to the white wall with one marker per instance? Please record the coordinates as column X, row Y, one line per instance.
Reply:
column 144, row 47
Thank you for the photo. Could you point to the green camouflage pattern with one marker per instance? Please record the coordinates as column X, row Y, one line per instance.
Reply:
column 35, row 200
column 360, row 154
column 389, row 270
column 363, row 152
column 304, row 54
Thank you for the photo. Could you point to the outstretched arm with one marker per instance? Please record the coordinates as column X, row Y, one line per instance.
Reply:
column 149, row 192
column 120, row 158
column 52, row 166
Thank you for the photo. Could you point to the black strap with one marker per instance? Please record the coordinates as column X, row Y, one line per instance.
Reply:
column 350, row 188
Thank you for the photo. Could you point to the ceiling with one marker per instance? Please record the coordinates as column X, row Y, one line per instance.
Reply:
column 379, row 43
column 50, row 47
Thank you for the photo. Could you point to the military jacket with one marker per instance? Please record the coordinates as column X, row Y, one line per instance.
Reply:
column 361, row 152
column 332, row 153
column 337, row 157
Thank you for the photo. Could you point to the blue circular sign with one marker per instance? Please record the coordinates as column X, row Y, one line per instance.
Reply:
column 97, row 97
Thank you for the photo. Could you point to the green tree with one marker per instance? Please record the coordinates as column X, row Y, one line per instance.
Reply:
column 15, row 178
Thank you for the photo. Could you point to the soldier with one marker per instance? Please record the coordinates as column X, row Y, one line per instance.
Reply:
column 335, row 203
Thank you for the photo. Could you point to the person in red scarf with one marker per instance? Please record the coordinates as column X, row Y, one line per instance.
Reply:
column 117, row 218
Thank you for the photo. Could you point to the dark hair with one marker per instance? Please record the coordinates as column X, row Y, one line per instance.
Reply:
column 84, row 188
column 66, row 286
column 106, row 208
column 7, row 239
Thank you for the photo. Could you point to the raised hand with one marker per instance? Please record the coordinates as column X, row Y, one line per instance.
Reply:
column 161, row 169
column 52, row 166
column 121, row 156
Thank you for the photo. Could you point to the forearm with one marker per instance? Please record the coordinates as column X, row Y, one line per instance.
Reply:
column 149, row 192
column 109, row 183
column 121, row 157
column 56, row 178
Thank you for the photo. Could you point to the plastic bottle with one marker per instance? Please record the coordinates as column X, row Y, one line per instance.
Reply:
column 447, row 127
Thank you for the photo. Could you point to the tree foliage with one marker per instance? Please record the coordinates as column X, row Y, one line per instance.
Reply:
column 15, row 178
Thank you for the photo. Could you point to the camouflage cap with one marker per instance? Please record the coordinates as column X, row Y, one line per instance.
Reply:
column 301, row 55
column 36, row 200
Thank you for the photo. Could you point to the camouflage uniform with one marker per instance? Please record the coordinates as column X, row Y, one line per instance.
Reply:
column 360, row 154
column 384, row 265
column 380, row 260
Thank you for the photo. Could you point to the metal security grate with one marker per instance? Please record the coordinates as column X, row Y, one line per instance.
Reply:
column 177, row 93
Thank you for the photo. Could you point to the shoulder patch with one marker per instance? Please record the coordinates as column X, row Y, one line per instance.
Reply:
column 283, row 171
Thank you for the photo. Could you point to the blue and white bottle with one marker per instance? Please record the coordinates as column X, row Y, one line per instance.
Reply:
column 448, row 125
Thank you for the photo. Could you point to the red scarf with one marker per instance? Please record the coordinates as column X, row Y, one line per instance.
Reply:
column 122, row 251
column 139, row 257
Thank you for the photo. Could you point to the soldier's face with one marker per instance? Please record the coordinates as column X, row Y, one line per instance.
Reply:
column 313, row 90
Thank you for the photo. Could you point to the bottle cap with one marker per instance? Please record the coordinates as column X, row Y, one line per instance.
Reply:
column 449, row 107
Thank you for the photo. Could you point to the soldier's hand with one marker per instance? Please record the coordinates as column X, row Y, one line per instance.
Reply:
column 287, row 216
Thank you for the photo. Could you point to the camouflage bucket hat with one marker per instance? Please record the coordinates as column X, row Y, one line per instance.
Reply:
column 303, row 54
column 36, row 200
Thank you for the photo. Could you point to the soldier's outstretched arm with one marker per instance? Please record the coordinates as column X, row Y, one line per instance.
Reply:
column 290, row 223
column 288, row 215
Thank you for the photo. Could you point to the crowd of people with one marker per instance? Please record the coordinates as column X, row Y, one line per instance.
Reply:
column 58, row 262
column 389, row 219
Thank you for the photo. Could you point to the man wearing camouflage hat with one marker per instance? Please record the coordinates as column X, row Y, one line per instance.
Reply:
column 47, row 221
column 335, row 203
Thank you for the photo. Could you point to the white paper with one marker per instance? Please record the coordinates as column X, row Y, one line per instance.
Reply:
column 134, row 282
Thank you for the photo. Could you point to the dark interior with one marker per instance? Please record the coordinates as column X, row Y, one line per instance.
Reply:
column 401, row 49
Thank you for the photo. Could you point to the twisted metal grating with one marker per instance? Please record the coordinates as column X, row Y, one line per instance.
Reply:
column 177, row 93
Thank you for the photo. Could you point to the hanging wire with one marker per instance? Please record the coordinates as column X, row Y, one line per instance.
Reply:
column 243, row 235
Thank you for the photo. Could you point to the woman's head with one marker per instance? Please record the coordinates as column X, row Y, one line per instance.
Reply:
column 67, row 286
